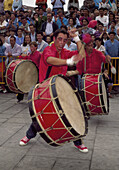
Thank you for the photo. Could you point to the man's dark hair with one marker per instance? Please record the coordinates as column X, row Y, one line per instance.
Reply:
column 99, row 39
column 63, row 27
column 39, row 32
column 71, row 7
column 112, row 33
column 13, row 37
column 57, row 32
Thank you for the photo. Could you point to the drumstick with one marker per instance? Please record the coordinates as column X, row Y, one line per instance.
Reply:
column 113, row 69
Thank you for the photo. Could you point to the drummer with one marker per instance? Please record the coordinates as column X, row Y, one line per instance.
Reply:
column 34, row 57
column 55, row 60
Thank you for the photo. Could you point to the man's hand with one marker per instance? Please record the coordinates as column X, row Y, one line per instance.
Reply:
column 72, row 73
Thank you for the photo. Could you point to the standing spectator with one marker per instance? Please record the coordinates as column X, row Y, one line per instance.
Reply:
column 102, row 18
column 2, row 65
column 1, row 6
column 17, row 5
column 61, row 20
column 19, row 37
column 74, row 3
column 8, row 5
column 42, row 3
column 49, row 27
column 32, row 32
column 104, row 4
column 13, row 50
column 57, row 4
column 41, row 43
column 114, row 7
column 112, row 45
column 3, row 23
column 26, row 45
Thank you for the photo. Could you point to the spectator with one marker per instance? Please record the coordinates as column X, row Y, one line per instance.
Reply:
column 12, row 24
column 114, row 7
column 12, row 32
column 112, row 27
column 26, row 45
column 41, row 43
column 3, row 23
column 2, row 65
column 70, row 45
column 7, row 15
column 48, row 39
column 104, row 36
column 86, row 15
column 2, row 36
column 57, row 4
column 1, row 6
column 32, row 32
column 111, row 18
column 102, row 18
column 74, row 3
column 99, row 47
column 99, row 31
column 117, row 36
column 71, row 23
column 25, row 26
column 19, row 37
column 70, row 10
column 104, row 4
column 96, row 13
column 42, row 3
column 76, row 20
column 112, row 45
column 85, row 27
column 61, row 20
column 17, row 5
column 13, row 50
column 49, row 27
column 8, row 5
column 117, row 21
column 89, row 4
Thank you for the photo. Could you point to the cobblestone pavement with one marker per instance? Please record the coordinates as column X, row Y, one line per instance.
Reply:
column 102, row 141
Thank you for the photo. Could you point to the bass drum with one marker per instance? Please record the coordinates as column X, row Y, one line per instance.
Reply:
column 57, row 112
column 21, row 75
column 94, row 94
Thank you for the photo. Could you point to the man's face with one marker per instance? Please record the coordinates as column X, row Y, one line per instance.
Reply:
column 89, row 47
column 112, row 36
column 60, row 41
column 12, row 41
column 49, row 17
column 101, row 12
column 39, row 37
column 32, row 28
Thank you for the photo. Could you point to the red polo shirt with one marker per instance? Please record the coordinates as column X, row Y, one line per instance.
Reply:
column 92, row 63
column 51, row 51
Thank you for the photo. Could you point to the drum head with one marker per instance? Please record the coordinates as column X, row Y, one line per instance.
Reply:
column 26, row 76
column 70, row 105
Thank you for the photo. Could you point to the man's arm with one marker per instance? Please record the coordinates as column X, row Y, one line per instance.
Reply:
column 56, row 61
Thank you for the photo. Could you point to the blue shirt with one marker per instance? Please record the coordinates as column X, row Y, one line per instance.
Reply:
column 112, row 49
column 19, row 40
column 65, row 21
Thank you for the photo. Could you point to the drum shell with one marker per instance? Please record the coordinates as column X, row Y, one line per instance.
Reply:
column 53, row 113
column 92, row 88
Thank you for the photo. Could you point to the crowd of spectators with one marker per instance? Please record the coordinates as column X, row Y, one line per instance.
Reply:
column 19, row 27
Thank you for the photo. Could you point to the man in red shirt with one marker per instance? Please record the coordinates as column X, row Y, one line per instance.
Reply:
column 59, row 59
column 42, row 3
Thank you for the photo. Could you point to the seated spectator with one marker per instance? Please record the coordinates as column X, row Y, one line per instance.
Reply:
column 112, row 45
column 7, row 15
column 102, row 18
column 85, row 27
column 71, row 23
column 2, row 36
column 117, row 21
column 90, row 4
column 12, row 23
column 32, row 32
column 41, row 43
column 61, row 20
column 85, row 15
column 3, row 23
column 17, row 5
column 25, row 26
column 49, row 27
column 70, row 45
column 70, row 10
column 48, row 39
column 96, row 13
column 99, row 30
column 26, row 45
column 19, row 37
column 8, row 5
column 111, row 18
column 104, row 37
column 99, row 47
column 117, row 36
column 13, row 50
column 76, row 20
column 104, row 4
column 12, row 32
column 19, row 20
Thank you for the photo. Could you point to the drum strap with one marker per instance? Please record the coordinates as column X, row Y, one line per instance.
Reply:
column 48, row 72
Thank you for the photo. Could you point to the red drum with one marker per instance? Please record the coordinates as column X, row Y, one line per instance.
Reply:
column 94, row 94
column 57, row 112
column 21, row 75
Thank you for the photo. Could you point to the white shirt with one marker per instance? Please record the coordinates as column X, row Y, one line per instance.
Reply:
column 4, row 24
column 103, row 19
column 101, row 48
column 57, row 3
column 49, row 28
column 26, row 49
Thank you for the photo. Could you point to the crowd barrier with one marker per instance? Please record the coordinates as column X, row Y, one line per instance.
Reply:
column 114, row 77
